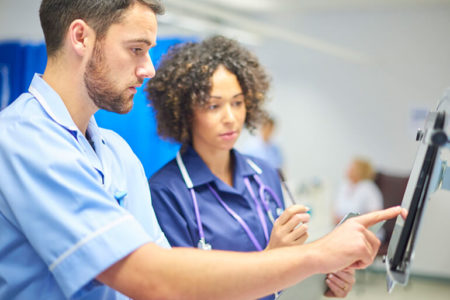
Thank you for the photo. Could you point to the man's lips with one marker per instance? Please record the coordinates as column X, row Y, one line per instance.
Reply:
column 134, row 88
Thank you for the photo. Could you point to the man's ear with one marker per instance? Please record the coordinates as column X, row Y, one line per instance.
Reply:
column 81, row 37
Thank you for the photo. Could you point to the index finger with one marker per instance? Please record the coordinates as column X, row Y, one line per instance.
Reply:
column 372, row 218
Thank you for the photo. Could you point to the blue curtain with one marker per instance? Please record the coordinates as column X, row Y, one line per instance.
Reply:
column 18, row 63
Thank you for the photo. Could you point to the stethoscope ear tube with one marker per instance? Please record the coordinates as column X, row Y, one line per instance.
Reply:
column 202, row 244
column 184, row 172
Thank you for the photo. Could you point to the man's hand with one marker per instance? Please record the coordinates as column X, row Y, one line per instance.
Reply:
column 290, row 228
column 340, row 283
column 352, row 245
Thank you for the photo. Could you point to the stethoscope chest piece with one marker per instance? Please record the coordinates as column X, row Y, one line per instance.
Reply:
column 279, row 211
column 203, row 245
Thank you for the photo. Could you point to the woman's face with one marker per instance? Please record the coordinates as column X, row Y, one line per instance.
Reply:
column 217, row 125
column 353, row 172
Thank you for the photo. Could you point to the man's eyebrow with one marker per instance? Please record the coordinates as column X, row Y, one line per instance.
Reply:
column 143, row 41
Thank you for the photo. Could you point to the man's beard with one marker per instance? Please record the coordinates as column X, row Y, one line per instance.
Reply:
column 100, row 89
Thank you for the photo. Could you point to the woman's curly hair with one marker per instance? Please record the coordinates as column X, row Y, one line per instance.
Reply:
column 183, row 82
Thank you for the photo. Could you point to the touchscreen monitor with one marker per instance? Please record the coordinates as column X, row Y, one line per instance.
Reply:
column 428, row 174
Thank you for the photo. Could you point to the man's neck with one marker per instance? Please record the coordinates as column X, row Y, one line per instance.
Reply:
column 70, row 87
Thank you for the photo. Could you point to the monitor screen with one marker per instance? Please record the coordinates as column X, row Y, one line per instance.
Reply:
column 428, row 175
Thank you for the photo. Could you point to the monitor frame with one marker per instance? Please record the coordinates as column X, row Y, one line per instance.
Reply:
column 401, row 246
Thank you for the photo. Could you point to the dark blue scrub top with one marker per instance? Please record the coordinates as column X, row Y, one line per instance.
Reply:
column 174, row 209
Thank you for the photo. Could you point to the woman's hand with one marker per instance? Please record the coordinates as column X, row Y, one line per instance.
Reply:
column 290, row 228
column 340, row 283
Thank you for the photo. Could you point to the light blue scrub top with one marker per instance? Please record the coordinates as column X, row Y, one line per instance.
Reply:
column 60, row 219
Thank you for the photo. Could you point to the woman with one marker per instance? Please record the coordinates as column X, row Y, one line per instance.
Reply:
column 359, row 193
column 211, row 195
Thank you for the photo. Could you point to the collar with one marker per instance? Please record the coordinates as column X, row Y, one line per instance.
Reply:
column 54, row 106
column 51, row 102
column 200, row 174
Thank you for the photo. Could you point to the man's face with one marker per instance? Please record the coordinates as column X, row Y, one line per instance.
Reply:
column 120, row 61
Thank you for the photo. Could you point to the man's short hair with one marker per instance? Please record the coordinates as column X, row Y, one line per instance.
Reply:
column 57, row 15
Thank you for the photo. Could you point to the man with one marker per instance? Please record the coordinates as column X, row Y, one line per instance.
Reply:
column 75, row 214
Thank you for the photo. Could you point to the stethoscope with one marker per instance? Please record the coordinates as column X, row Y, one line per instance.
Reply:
column 261, row 203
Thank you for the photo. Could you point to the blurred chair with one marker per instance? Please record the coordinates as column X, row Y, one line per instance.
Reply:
column 392, row 187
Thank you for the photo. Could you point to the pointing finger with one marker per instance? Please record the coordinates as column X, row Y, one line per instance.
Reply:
column 372, row 218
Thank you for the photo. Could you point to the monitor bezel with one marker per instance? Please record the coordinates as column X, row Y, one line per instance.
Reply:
column 401, row 249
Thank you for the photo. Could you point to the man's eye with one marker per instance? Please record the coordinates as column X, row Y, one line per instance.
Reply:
column 136, row 50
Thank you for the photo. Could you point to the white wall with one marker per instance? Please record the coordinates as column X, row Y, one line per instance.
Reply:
column 331, row 109
column 19, row 19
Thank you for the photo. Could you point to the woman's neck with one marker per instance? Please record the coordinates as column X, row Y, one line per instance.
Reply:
column 220, row 164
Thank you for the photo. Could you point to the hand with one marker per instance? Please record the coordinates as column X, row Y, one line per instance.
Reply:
column 352, row 245
column 290, row 228
column 340, row 283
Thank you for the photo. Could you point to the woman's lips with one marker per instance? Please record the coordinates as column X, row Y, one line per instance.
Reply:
column 229, row 135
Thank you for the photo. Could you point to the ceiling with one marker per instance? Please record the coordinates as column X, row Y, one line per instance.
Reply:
column 254, row 21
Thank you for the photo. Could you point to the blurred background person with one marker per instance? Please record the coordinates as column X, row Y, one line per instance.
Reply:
column 358, row 193
column 263, row 146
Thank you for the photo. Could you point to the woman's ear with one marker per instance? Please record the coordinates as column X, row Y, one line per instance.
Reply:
column 80, row 37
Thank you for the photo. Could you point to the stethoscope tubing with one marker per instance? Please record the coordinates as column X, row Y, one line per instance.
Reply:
column 244, row 225
column 238, row 218
column 197, row 213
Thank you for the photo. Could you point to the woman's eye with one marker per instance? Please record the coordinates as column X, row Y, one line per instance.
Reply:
column 212, row 106
column 238, row 103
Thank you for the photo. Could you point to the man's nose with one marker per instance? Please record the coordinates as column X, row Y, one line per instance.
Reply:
column 146, row 69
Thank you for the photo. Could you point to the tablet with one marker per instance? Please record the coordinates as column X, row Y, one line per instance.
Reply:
column 426, row 177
